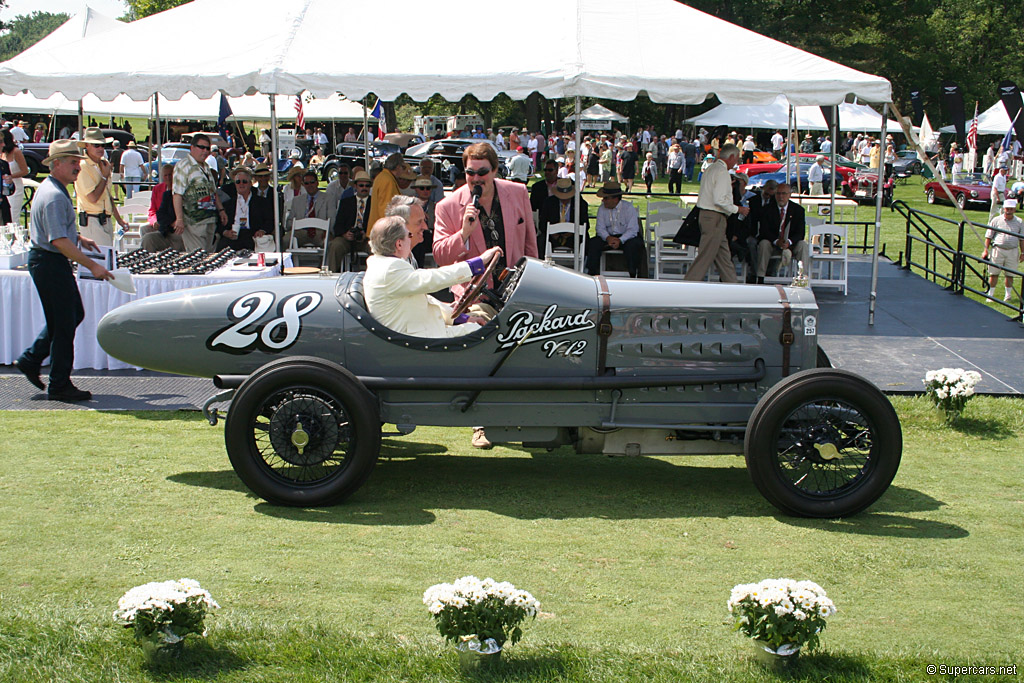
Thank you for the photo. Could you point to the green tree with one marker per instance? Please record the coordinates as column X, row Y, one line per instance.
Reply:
column 25, row 30
column 137, row 9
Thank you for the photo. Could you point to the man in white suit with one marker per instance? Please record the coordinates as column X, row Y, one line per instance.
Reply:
column 397, row 293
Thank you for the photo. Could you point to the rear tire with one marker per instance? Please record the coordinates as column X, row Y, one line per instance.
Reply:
column 931, row 196
column 961, row 200
column 303, row 431
column 823, row 443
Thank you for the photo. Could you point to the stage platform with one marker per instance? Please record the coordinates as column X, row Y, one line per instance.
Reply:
column 918, row 327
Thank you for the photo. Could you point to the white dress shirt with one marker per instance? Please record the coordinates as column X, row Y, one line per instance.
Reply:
column 716, row 189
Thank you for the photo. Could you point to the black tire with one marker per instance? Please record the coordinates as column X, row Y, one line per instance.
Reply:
column 329, row 172
column 931, row 196
column 961, row 200
column 295, row 399
column 823, row 443
column 822, row 359
column 35, row 167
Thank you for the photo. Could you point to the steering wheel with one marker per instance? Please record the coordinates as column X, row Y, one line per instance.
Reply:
column 475, row 289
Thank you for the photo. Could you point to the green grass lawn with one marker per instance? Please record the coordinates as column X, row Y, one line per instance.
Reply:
column 631, row 558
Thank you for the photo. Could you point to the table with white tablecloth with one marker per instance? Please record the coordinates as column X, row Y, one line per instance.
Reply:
column 21, row 315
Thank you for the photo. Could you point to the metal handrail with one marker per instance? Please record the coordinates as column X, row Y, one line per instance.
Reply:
column 962, row 263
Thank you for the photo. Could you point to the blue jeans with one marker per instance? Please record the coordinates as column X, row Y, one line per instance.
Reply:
column 133, row 186
column 63, row 311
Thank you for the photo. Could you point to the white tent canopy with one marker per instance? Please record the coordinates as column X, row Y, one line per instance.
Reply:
column 852, row 117
column 190, row 107
column 86, row 23
column 598, row 113
column 992, row 121
column 285, row 52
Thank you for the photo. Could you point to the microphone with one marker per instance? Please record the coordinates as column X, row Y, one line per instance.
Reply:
column 476, row 192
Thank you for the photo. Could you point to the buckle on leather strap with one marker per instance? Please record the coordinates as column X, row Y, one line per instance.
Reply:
column 787, row 338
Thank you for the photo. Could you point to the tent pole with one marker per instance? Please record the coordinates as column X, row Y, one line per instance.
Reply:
column 578, row 197
column 832, row 164
column 159, row 137
column 273, row 175
column 789, row 140
column 81, row 121
column 879, row 187
column 366, row 136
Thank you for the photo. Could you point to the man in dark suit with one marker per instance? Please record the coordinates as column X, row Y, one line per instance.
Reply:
column 351, row 222
column 249, row 216
column 542, row 189
column 560, row 207
column 781, row 231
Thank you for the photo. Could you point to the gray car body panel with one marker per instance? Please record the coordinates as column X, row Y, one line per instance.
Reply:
column 659, row 329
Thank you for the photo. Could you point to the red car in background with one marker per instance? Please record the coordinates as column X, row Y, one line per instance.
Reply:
column 754, row 169
column 967, row 188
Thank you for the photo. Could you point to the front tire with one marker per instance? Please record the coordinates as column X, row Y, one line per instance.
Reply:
column 931, row 196
column 303, row 432
column 823, row 443
column 961, row 200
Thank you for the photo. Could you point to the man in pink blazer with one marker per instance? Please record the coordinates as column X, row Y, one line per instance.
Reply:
column 505, row 218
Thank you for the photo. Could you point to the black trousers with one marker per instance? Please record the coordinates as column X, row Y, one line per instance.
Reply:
column 675, row 180
column 63, row 311
column 632, row 248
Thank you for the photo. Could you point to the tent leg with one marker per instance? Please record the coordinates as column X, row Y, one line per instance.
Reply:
column 789, row 140
column 81, row 121
column 273, row 175
column 832, row 164
column 366, row 136
column 159, row 136
column 879, row 187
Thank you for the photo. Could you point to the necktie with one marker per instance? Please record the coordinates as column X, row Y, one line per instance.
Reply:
column 783, row 229
column 361, row 206
column 311, row 213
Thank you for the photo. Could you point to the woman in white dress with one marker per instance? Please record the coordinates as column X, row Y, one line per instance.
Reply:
column 11, row 153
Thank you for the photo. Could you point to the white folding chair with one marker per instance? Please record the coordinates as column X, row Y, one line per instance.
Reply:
column 563, row 253
column 321, row 224
column 829, row 257
column 668, row 254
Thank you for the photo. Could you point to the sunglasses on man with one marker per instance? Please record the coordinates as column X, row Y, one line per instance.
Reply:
column 478, row 172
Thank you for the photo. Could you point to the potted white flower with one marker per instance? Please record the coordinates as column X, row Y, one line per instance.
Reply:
column 950, row 389
column 479, row 617
column 162, row 614
column 781, row 616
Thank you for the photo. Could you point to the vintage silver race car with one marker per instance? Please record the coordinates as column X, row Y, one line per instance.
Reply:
column 619, row 367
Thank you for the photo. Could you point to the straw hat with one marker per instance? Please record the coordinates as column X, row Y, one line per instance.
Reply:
column 261, row 169
column 405, row 173
column 131, row 144
column 60, row 149
column 565, row 188
column 94, row 136
column 294, row 171
column 423, row 181
column 361, row 176
column 610, row 189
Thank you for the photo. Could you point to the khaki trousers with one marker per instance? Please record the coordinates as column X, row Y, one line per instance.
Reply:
column 766, row 249
column 199, row 235
column 102, row 235
column 713, row 248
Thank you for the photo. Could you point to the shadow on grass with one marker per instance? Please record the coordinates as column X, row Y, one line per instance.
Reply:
column 161, row 415
column 404, row 490
column 821, row 666
column 877, row 520
column 983, row 427
column 199, row 661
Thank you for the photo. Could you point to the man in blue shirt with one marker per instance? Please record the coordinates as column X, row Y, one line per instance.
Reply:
column 55, row 239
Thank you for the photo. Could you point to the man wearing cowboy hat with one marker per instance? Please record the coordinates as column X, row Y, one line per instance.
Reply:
column 560, row 208
column 351, row 222
column 196, row 204
column 55, row 239
column 618, row 227
column 96, row 209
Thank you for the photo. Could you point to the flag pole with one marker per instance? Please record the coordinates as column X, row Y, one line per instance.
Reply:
column 273, row 176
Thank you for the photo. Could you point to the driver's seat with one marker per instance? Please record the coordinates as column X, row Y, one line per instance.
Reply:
column 349, row 291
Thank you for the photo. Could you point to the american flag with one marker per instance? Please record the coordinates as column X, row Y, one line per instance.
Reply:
column 300, row 120
column 972, row 134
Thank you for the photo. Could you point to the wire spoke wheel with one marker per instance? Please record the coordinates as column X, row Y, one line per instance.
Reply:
column 303, row 431
column 824, row 447
column 823, row 443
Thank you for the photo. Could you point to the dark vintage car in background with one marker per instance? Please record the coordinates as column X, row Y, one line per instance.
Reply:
column 906, row 164
column 354, row 154
column 447, row 156
column 35, row 152
column 967, row 189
